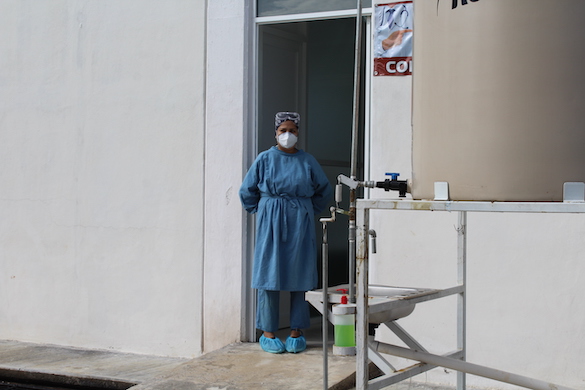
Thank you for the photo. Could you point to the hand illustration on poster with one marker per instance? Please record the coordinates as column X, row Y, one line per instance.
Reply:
column 393, row 39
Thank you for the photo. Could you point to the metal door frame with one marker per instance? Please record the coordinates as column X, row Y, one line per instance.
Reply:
column 249, row 297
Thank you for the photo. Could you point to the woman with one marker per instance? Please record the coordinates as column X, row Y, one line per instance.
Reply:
column 286, row 187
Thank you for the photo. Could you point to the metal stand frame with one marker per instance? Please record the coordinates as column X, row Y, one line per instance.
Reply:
column 367, row 348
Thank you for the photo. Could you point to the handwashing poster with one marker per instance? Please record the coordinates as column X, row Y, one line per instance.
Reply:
column 393, row 23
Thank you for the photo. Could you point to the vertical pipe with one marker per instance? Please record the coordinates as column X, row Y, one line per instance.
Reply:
column 362, row 266
column 351, row 248
column 356, row 88
column 354, row 146
column 325, row 324
column 461, row 298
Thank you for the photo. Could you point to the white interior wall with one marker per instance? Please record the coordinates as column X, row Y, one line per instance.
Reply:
column 525, row 294
column 101, row 148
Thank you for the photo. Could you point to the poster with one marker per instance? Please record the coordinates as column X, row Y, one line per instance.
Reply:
column 393, row 32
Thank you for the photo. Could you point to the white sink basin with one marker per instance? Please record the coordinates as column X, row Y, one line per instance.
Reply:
column 379, row 294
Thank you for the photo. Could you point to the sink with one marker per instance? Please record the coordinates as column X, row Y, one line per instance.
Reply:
column 379, row 294
column 377, row 291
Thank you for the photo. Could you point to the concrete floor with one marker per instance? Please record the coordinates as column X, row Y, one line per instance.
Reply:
column 239, row 366
column 73, row 366
column 244, row 366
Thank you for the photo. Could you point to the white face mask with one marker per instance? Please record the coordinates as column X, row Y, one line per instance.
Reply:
column 287, row 140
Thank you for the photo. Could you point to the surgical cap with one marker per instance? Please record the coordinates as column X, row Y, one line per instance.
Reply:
column 286, row 116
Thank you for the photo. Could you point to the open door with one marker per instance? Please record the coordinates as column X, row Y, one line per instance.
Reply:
column 281, row 78
column 308, row 67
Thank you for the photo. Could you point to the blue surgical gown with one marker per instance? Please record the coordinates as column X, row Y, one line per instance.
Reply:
column 286, row 190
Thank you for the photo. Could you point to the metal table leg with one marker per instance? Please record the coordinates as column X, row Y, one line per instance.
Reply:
column 362, row 281
column 461, row 297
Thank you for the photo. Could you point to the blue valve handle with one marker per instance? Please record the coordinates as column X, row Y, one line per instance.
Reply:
column 394, row 184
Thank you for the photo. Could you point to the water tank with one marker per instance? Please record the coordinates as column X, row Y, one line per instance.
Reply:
column 498, row 98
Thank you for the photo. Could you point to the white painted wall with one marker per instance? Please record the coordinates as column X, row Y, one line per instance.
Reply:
column 101, row 149
column 525, row 272
column 225, row 144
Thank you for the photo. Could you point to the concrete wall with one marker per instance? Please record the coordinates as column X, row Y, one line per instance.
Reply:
column 525, row 272
column 102, row 156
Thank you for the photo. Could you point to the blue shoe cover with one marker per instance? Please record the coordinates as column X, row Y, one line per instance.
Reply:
column 296, row 344
column 271, row 345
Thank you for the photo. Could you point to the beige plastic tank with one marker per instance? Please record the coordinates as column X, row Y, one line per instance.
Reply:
column 498, row 98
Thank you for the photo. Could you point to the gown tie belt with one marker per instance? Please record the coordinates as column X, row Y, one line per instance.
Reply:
column 288, row 202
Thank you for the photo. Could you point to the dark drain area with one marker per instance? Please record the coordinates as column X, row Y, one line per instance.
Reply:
column 27, row 386
column 22, row 380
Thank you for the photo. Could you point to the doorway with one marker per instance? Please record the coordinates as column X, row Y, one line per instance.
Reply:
column 308, row 67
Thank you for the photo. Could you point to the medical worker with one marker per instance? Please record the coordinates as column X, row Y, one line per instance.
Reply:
column 286, row 187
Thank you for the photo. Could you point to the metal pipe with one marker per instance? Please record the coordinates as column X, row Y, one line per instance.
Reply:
column 354, row 147
column 373, row 235
column 325, row 324
column 356, row 88
column 469, row 368
column 352, row 253
column 325, row 287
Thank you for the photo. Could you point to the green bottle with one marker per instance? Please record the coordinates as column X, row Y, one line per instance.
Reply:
column 344, row 324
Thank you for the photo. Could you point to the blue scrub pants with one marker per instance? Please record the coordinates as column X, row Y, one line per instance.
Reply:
column 268, row 308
